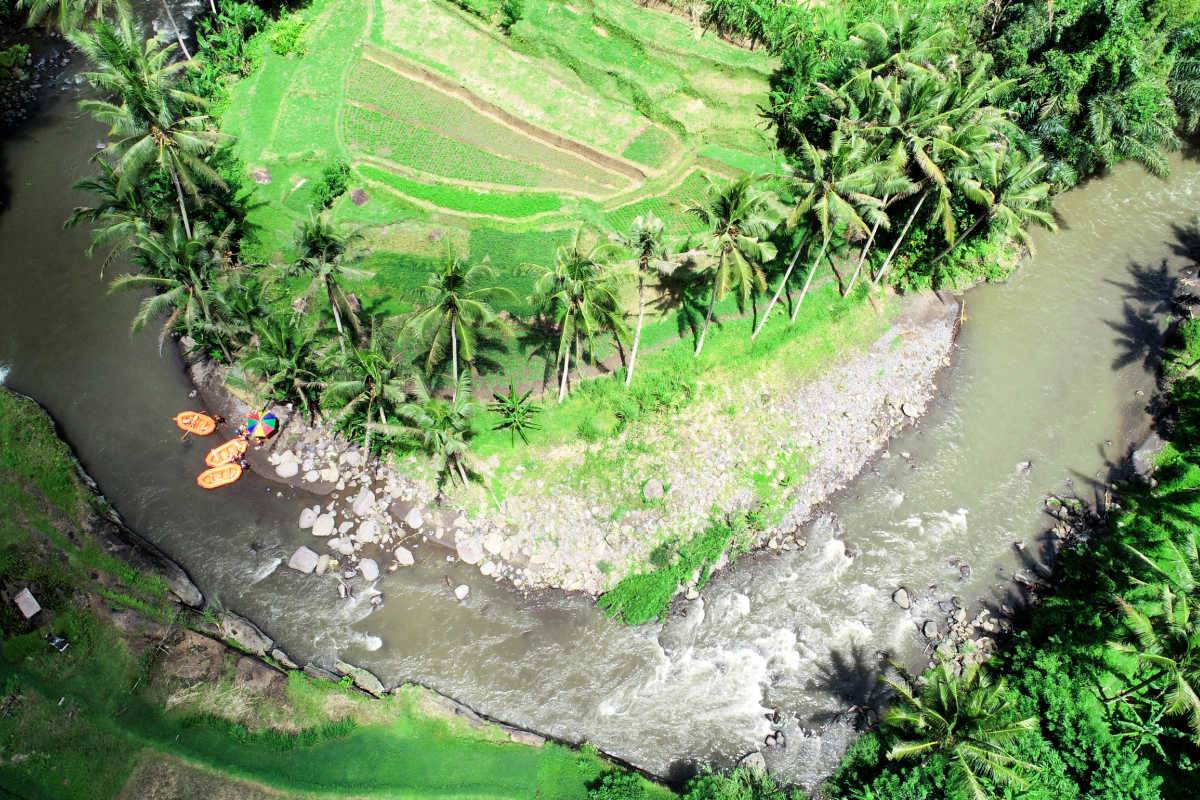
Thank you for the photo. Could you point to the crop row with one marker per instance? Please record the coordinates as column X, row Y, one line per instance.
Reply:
column 374, row 84
column 514, row 206
column 670, row 208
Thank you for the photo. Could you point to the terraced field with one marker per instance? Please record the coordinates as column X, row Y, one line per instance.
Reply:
column 589, row 111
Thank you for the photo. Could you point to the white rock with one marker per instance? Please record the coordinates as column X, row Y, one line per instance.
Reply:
column 652, row 489
column 345, row 526
column 342, row 545
column 469, row 550
column 274, row 459
column 413, row 519
column 311, row 476
column 369, row 569
column 303, row 560
column 487, row 568
column 351, row 457
column 323, row 564
column 494, row 543
column 323, row 525
column 288, row 466
column 368, row 531
column 404, row 556
column 461, row 591
column 307, row 517
column 330, row 475
column 364, row 502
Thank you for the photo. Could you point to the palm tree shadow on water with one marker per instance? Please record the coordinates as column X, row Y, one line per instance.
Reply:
column 1148, row 296
column 851, row 679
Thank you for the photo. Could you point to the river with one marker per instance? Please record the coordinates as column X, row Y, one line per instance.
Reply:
column 1048, row 370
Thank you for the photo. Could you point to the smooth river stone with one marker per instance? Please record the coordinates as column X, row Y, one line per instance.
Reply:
column 368, row 531
column 413, row 519
column 404, row 556
column 369, row 569
column 307, row 518
column 288, row 466
column 303, row 560
column 364, row 502
column 469, row 550
column 323, row 525
column 461, row 591
column 494, row 543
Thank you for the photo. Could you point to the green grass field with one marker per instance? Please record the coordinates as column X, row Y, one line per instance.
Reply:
column 597, row 111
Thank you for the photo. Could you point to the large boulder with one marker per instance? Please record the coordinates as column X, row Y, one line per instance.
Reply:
column 288, row 465
column 413, row 519
column 245, row 634
column 368, row 531
column 469, row 549
column 307, row 518
column 369, row 569
column 303, row 560
column 462, row 591
column 494, row 543
column 754, row 762
column 901, row 598
column 652, row 489
column 323, row 525
column 364, row 502
column 363, row 679
column 404, row 557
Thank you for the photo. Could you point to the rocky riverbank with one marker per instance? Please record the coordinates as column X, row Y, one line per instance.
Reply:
column 789, row 444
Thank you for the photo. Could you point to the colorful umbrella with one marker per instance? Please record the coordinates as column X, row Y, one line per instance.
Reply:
column 261, row 425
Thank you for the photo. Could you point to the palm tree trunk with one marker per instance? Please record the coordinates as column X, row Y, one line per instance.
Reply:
column 637, row 337
column 782, row 284
column 187, row 226
column 461, row 472
column 454, row 356
column 337, row 318
column 174, row 27
column 960, row 239
column 367, row 438
column 212, row 5
column 888, row 261
column 862, row 257
column 808, row 281
column 566, row 368
column 712, row 301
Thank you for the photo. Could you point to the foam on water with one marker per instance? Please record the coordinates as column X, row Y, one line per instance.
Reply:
column 266, row 569
column 4, row 370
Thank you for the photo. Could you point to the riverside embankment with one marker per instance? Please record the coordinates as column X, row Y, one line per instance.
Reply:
column 1048, row 370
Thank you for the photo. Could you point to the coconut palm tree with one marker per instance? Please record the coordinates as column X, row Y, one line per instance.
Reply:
column 739, row 222
column 153, row 122
column 439, row 428
column 118, row 217
column 67, row 16
column 1165, row 641
column 368, row 379
column 646, row 240
column 1018, row 197
column 967, row 718
column 580, row 293
column 179, row 267
column 324, row 263
column 455, row 311
column 839, row 189
column 283, row 356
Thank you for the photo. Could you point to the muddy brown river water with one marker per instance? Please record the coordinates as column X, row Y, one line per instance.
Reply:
column 1048, row 370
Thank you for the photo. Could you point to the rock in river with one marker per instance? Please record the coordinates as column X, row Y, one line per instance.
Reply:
column 303, row 560
column 461, row 591
column 323, row 525
column 404, row 556
column 900, row 597
column 469, row 550
column 307, row 517
column 364, row 502
column 288, row 465
column 368, row 531
column 413, row 519
column 369, row 569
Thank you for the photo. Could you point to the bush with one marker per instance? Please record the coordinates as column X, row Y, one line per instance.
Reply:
column 511, row 12
column 286, row 33
column 332, row 185
column 618, row 786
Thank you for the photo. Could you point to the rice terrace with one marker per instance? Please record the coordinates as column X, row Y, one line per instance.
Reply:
column 498, row 143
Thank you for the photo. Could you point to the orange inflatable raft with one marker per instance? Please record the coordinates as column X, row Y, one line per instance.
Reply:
column 219, row 476
column 225, row 453
column 195, row 423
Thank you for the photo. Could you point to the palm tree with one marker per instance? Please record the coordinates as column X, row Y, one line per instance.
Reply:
column 966, row 717
column 370, row 380
column 838, row 190
column 178, row 266
column 738, row 220
column 646, row 241
column 1165, row 641
column 67, row 16
column 154, row 123
column 455, row 311
column 119, row 217
column 580, row 293
column 1018, row 197
column 438, row 427
column 283, row 355
column 323, row 264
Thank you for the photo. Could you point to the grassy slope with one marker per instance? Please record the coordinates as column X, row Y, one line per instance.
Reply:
column 626, row 81
column 111, row 717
